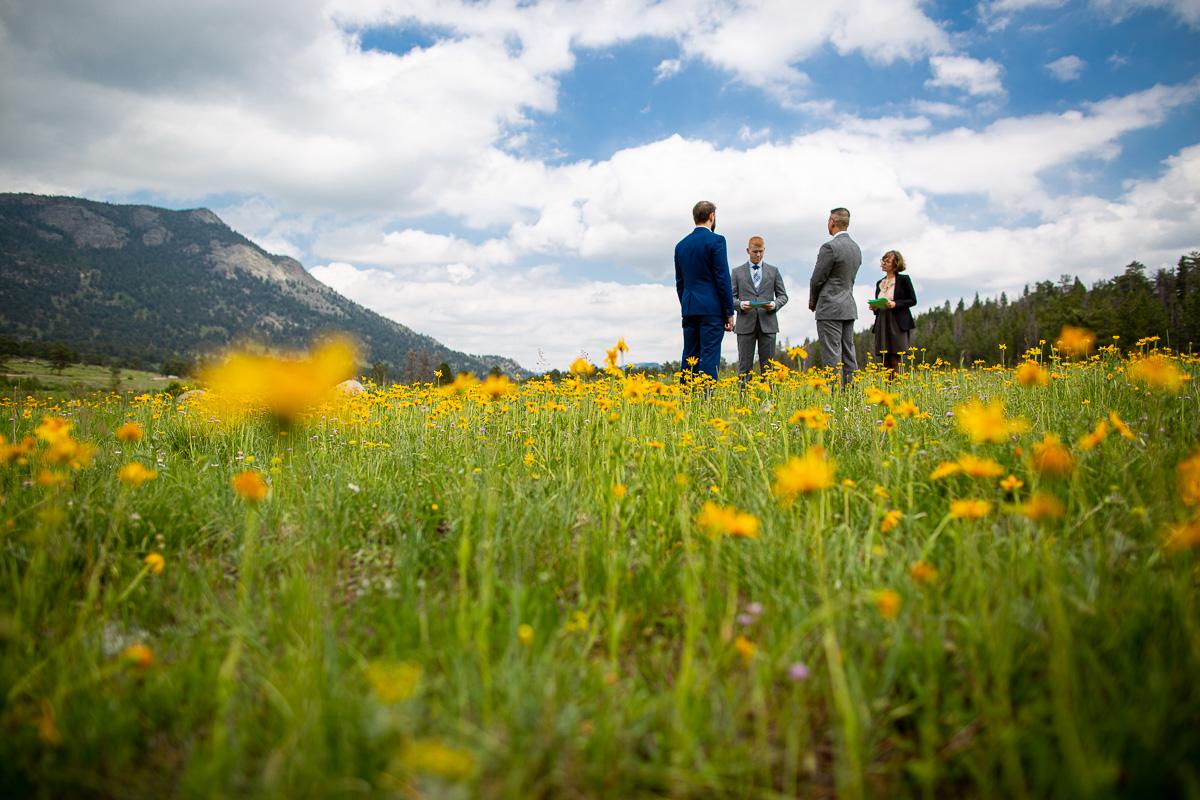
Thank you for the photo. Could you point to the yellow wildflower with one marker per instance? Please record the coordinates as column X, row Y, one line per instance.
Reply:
column 888, row 602
column 619, row 489
column 1189, row 479
column 987, row 423
column 135, row 474
column 969, row 508
column 53, row 429
column 139, row 655
column 496, row 386
column 288, row 385
column 581, row 366
column 1158, row 373
column 877, row 396
column 130, row 432
column 251, row 486
column 1120, row 426
column 1095, row 437
column 393, row 682
column 1073, row 341
column 525, row 634
column 923, row 573
column 943, row 470
column 1011, row 483
column 726, row 520
column 155, row 562
column 1182, row 535
column 47, row 477
column 577, row 623
column 1042, row 506
column 431, row 756
column 1032, row 373
column 813, row 418
column 67, row 451
column 746, row 647
column 890, row 520
column 1051, row 458
column 621, row 346
column 47, row 726
column 889, row 422
column 797, row 353
column 908, row 409
column 798, row 476
column 979, row 467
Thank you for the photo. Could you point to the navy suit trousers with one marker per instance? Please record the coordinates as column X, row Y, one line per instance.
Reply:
column 702, row 334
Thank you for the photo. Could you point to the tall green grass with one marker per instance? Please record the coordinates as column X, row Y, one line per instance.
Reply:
column 1057, row 657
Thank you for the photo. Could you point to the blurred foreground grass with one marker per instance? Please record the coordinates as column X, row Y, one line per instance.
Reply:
column 610, row 587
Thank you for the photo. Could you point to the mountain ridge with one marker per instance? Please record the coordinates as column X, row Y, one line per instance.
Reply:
column 156, row 283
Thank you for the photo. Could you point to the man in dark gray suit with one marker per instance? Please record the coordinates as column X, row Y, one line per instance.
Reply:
column 758, row 294
column 831, row 298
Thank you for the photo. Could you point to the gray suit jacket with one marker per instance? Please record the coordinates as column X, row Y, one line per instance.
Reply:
column 769, row 288
column 831, row 289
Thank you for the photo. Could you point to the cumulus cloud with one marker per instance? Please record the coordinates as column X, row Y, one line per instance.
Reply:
column 668, row 68
column 407, row 176
column 1067, row 68
column 936, row 109
column 969, row 74
column 532, row 317
column 999, row 13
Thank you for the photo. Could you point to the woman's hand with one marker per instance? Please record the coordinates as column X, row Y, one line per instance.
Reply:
column 891, row 303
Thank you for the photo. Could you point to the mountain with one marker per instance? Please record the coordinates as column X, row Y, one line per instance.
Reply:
column 130, row 280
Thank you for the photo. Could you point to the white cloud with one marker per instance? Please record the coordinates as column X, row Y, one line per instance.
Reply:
column 364, row 156
column 1186, row 10
column 963, row 72
column 998, row 13
column 668, row 68
column 935, row 109
column 1067, row 68
column 523, row 316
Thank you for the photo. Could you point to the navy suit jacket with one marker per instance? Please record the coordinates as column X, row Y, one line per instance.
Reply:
column 702, row 274
column 905, row 297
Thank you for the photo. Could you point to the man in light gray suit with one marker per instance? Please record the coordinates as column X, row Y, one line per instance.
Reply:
column 831, row 298
column 758, row 294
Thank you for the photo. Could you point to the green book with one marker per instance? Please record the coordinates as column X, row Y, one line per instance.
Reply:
column 878, row 302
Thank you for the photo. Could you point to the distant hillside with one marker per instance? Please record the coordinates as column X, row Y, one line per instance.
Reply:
column 138, row 281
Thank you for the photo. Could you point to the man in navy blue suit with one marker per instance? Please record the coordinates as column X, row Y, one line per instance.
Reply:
column 705, row 295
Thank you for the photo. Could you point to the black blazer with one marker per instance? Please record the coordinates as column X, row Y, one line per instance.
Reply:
column 904, row 297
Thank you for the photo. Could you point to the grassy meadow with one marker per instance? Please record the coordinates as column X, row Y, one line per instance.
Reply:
column 961, row 583
column 77, row 379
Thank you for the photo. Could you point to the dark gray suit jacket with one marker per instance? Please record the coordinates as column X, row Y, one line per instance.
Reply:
column 831, row 289
column 769, row 288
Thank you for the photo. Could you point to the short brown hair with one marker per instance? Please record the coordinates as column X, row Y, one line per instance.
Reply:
column 897, row 259
column 702, row 211
column 756, row 240
column 840, row 217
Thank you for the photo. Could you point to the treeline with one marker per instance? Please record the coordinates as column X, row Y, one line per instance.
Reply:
column 1132, row 306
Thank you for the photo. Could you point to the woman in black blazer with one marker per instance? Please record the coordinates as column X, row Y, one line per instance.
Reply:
column 893, row 321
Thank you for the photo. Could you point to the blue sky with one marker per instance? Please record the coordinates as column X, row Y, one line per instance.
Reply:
column 511, row 177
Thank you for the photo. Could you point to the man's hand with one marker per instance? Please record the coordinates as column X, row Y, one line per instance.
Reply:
column 745, row 305
column 729, row 323
column 812, row 306
column 771, row 306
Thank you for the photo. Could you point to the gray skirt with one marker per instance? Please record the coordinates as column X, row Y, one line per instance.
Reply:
column 888, row 336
